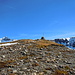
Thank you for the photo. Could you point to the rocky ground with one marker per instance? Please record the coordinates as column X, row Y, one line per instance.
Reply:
column 36, row 57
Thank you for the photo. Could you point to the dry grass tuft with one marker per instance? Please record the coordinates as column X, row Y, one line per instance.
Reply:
column 59, row 72
column 24, row 57
column 35, row 64
column 43, row 44
column 10, row 61
column 12, row 74
column 67, row 67
column 3, row 64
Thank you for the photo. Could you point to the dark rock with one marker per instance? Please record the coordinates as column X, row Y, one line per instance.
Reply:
column 42, row 38
column 23, row 53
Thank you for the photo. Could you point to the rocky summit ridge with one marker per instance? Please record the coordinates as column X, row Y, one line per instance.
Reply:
column 36, row 57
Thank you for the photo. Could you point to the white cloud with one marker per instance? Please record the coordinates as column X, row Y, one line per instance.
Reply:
column 66, row 35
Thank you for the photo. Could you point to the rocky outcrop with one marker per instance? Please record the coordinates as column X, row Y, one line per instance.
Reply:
column 42, row 38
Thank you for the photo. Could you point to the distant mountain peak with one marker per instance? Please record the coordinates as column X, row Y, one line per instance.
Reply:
column 6, row 39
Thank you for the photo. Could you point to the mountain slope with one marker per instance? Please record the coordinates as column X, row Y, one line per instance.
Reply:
column 36, row 57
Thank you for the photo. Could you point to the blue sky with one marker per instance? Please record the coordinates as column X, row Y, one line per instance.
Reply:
column 31, row 19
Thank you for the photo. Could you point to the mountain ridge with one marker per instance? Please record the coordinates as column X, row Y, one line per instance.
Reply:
column 36, row 57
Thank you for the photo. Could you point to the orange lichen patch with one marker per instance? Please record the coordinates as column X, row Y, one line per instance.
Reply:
column 59, row 72
column 24, row 57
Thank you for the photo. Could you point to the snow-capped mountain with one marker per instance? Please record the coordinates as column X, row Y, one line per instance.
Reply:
column 6, row 39
column 69, row 42
column 64, row 41
column 72, row 41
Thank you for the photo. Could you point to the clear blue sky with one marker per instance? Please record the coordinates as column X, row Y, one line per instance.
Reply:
column 31, row 19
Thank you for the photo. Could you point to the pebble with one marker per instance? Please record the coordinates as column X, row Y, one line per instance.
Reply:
column 14, row 71
column 3, row 56
column 34, row 74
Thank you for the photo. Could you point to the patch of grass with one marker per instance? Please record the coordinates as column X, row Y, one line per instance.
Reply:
column 67, row 67
column 3, row 64
column 48, row 68
column 50, row 49
column 7, row 63
column 12, row 74
column 45, row 71
column 24, row 57
column 10, row 61
column 43, row 44
column 36, row 46
column 69, row 51
column 59, row 72
column 35, row 64
column 48, row 54
column 26, row 61
column 32, row 54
